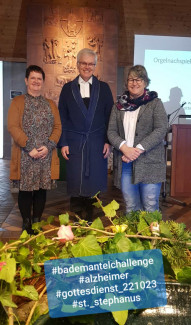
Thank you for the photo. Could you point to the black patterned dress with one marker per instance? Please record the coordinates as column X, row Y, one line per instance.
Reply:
column 38, row 122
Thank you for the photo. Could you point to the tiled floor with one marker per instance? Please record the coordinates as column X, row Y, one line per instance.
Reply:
column 58, row 203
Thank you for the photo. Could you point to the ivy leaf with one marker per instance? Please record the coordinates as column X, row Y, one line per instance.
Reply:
column 165, row 230
column 6, row 300
column 86, row 247
column 26, row 269
column 143, row 227
column 120, row 316
column 20, row 258
column 136, row 245
column 64, row 219
column 24, row 251
column 97, row 204
column 29, row 292
column 97, row 223
column 50, row 219
column 37, row 256
column 37, row 226
column 24, row 235
column 41, row 239
column 110, row 209
column 184, row 275
column 8, row 271
column 102, row 239
column 37, row 268
column 124, row 245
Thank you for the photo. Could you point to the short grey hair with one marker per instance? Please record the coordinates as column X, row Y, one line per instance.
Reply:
column 87, row 52
column 139, row 71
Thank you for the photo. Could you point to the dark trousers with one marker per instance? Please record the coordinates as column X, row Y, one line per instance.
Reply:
column 31, row 200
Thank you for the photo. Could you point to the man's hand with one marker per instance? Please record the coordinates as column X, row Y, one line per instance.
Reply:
column 106, row 150
column 65, row 152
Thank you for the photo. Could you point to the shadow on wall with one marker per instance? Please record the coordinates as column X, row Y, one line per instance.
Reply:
column 174, row 104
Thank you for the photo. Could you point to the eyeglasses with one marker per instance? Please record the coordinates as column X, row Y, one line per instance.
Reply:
column 85, row 64
column 132, row 80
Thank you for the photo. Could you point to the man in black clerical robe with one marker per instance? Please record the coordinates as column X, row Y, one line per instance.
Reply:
column 85, row 105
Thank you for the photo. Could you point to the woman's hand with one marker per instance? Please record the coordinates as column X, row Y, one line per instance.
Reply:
column 34, row 153
column 125, row 159
column 130, row 152
column 43, row 152
column 39, row 153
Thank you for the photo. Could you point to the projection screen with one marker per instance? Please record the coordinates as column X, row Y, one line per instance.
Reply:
column 168, row 63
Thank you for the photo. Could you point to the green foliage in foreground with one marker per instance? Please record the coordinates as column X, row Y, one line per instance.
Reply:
column 24, row 257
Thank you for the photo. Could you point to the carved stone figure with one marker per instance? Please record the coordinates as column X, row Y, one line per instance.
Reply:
column 51, row 54
column 96, row 44
column 69, row 66
column 55, row 49
column 47, row 51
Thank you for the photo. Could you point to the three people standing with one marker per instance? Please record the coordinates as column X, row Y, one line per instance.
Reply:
column 137, row 126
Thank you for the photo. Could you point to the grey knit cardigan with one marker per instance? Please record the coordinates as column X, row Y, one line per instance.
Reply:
column 151, row 128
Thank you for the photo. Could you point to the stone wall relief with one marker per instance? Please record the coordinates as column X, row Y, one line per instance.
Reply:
column 69, row 54
column 71, row 24
column 94, row 15
column 51, row 51
column 65, row 32
column 51, row 17
column 96, row 44
column 61, row 80
column 52, row 94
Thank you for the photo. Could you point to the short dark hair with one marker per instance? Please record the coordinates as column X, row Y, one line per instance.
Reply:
column 35, row 68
